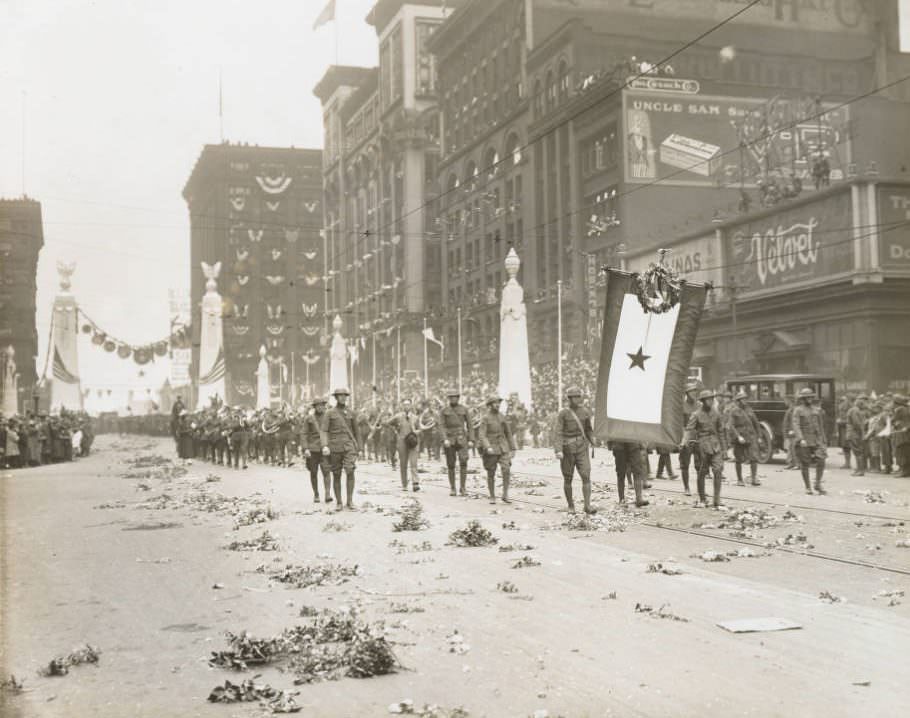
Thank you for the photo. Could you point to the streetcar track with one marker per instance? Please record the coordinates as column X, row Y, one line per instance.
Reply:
column 435, row 481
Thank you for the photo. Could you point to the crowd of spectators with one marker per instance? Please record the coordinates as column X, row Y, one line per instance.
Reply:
column 33, row 439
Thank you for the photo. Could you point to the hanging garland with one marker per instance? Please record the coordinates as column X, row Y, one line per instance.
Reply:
column 658, row 288
column 143, row 354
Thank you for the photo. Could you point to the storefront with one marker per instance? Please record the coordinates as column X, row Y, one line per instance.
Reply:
column 821, row 285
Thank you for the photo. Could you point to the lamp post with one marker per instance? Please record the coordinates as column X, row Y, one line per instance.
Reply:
column 559, row 341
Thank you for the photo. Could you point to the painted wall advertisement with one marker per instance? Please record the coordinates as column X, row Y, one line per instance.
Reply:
column 697, row 260
column 894, row 217
column 701, row 140
column 805, row 243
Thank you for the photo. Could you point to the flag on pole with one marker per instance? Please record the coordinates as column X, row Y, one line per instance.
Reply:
column 431, row 337
column 326, row 16
column 650, row 323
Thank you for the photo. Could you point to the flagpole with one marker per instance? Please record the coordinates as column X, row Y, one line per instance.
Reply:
column 398, row 363
column 459, row 352
column 373, row 355
column 426, row 363
column 559, row 341
column 351, row 375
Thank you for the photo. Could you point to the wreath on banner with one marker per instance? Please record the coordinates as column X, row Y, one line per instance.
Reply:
column 658, row 288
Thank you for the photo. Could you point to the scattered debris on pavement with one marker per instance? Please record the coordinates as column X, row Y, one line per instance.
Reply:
column 258, row 515
column 829, row 597
column 264, row 542
column 336, row 527
column 472, row 535
column 406, row 707
column 457, row 643
column 666, row 569
column 12, row 685
column 661, row 612
column 60, row 665
column 526, row 562
column 412, row 518
column 319, row 574
column 248, row 691
column 507, row 587
column 759, row 625
column 516, row 547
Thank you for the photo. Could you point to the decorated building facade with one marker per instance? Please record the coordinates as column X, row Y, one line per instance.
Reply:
column 21, row 239
column 380, row 176
column 256, row 212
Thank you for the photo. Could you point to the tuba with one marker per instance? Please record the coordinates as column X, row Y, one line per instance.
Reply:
column 270, row 423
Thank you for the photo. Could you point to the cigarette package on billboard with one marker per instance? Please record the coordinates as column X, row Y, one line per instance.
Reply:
column 692, row 155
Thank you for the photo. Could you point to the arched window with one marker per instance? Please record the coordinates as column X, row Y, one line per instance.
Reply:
column 491, row 162
column 513, row 148
column 551, row 91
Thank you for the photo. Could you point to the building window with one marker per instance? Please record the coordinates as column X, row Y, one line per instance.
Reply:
column 563, row 81
column 426, row 61
column 551, row 91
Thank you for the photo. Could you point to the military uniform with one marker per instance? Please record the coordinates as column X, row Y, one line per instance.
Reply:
column 572, row 435
column 497, row 444
column 811, row 442
column 343, row 443
column 900, row 435
column 690, row 406
column 457, row 433
column 743, row 432
column 239, row 439
column 856, row 434
column 313, row 439
column 705, row 432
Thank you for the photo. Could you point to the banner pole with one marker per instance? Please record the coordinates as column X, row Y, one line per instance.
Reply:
column 559, row 341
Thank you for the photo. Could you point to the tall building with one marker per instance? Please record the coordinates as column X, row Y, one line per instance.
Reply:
column 609, row 166
column 258, row 211
column 21, row 239
column 383, row 245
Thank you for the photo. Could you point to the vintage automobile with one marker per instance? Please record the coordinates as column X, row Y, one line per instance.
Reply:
column 768, row 395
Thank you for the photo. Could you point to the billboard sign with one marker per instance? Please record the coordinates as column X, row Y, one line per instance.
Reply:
column 894, row 218
column 697, row 260
column 810, row 242
column 712, row 141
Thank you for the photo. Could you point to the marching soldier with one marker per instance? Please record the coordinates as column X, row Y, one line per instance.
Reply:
column 343, row 445
column 809, row 435
column 363, row 431
column 743, row 431
column 900, row 435
column 856, row 433
column 497, row 445
column 406, row 428
column 690, row 406
column 705, row 432
column 457, row 438
column 426, row 425
column 844, row 405
column 315, row 451
column 389, row 436
column 628, row 458
column 572, row 436
column 240, row 438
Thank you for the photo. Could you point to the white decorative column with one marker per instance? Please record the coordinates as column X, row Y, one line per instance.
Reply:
column 514, row 362
column 263, row 390
column 66, row 389
column 9, row 383
column 211, row 340
column 338, row 355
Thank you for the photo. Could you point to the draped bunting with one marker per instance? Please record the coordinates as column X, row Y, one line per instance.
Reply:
column 238, row 203
column 274, row 329
column 311, row 255
column 242, row 279
column 273, row 185
column 274, row 280
column 311, row 206
column 310, row 331
column 310, row 358
column 273, row 206
column 243, row 388
column 291, row 235
column 243, row 253
column 240, row 329
column 141, row 354
column 60, row 370
column 311, row 279
column 217, row 371
column 276, row 255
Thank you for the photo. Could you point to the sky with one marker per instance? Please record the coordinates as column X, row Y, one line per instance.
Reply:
column 119, row 98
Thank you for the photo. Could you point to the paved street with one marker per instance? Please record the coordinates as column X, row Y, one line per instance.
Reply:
column 132, row 560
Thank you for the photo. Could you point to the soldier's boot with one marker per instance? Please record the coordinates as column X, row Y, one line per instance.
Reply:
column 846, row 459
column 586, row 495
column 336, row 489
column 463, row 479
column 570, row 499
column 638, row 484
column 314, row 483
column 491, row 485
column 685, row 479
column 506, row 477
column 700, row 485
column 718, row 478
column 860, row 466
column 739, row 475
column 804, row 470
column 327, row 486
column 875, row 464
column 819, row 473
column 452, row 481
column 753, row 470
column 621, row 489
column 349, row 493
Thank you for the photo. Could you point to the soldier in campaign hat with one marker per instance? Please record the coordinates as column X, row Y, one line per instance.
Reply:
column 704, row 434
column 497, row 446
column 811, row 442
column 900, row 434
column 315, row 449
column 457, row 438
column 857, row 416
column 690, row 406
column 573, row 436
column 343, row 445
column 743, row 431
